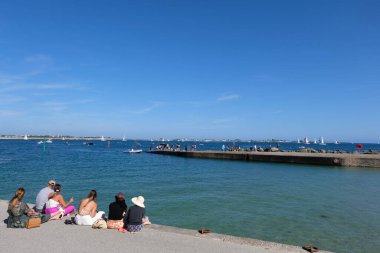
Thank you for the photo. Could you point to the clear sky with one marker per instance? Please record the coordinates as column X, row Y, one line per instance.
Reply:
column 191, row 69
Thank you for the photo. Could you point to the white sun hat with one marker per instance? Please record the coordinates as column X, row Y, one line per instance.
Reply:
column 139, row 201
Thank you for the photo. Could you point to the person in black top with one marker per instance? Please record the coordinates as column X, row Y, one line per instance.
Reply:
column 134, row 218
column 118, row 208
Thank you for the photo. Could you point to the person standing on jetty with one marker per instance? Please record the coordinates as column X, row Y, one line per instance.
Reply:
column 134, row 219
column 43, row 196
column 57, row 203
column 19, row 212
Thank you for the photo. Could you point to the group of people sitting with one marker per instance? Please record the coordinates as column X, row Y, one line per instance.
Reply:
column 50, row 205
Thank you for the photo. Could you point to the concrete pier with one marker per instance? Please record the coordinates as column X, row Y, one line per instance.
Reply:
column 55, row 236
column 329, row 159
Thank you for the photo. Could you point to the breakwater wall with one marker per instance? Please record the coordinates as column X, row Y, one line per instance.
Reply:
column 345, row 160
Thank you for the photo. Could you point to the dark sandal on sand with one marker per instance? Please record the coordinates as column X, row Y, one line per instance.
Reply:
column 310, row 248
column 204, row 231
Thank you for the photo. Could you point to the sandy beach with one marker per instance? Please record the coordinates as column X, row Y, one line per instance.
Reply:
column 57, row 236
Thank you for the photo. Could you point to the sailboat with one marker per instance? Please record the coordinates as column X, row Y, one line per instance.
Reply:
column 124, row 138
column 321, row 142
column 306, row 141
column 102, row 139
column 298, row 141
column 336, row 142
column 25, row 137
column 315, row 141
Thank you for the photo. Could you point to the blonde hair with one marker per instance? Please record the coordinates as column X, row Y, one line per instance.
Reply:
column 19, row 195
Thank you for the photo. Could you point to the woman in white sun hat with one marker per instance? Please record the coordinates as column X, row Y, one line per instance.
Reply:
column 134, row 218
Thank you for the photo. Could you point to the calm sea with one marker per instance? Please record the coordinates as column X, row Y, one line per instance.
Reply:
column 336, row 209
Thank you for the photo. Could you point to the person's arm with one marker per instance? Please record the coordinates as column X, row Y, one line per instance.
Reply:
column 82, row 204
column 29, row 211
column 93, row 209
column 63, row 203
column 127, row 216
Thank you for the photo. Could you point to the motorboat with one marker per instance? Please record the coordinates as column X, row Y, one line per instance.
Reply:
column 133, row 151
column 49, row 141
column 40, row 142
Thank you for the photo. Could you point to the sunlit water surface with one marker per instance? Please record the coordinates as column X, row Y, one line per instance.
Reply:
column 337, row 209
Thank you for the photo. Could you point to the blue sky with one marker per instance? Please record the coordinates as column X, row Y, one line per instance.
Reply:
column 191, row 69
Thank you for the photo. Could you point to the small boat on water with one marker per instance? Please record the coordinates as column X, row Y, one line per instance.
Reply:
column 306, row 141
column 40, row 142
column 49, row 141
column 26, row 137
column 133, row 151
column 321, row 142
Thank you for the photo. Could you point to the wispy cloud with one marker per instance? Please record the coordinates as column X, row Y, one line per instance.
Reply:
column 10, row 99
column 228, row 97
column 40, row 58
column 147, row 109
column 42, row 87
column 8, row 113
column 62, row 106
column 223, row 121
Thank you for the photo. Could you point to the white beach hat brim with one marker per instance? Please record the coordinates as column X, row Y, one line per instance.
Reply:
column 138, row 202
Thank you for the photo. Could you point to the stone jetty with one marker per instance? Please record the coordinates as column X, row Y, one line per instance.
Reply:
column 329, row 159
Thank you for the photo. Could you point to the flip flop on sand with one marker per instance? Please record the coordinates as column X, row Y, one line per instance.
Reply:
column 310, row 248
column 204, row 231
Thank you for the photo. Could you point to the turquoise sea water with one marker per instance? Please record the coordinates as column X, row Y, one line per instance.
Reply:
column 336, row 209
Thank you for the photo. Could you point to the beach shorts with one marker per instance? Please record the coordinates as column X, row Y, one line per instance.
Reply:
column 135, row 228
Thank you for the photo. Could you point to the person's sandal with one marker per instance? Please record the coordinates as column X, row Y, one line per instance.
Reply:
column 204, row 231
column 310, row 248
column 122, row 230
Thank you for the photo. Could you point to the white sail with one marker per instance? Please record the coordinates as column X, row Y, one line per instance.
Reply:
column 102, row 139
column 25, row 137
column 306, row 141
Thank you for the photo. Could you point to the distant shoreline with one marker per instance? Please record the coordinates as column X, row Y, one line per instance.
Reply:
column 163, row 140
column 42, row 137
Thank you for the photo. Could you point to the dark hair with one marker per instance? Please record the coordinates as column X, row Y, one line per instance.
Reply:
column 121, row 202
column 92, row 195
column 57, row 188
